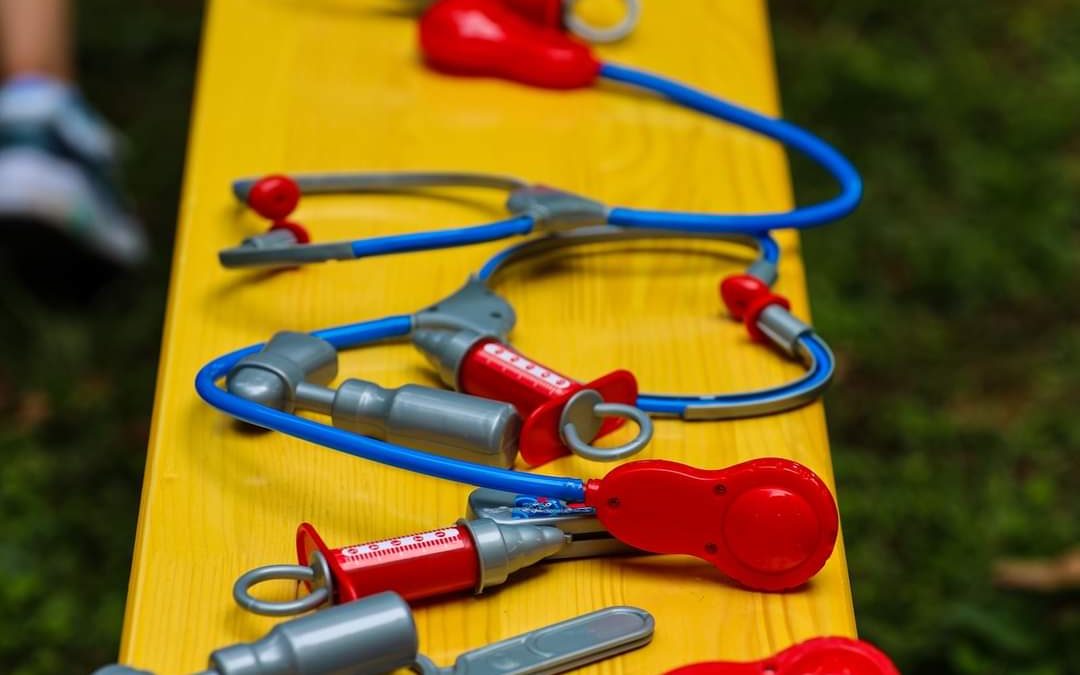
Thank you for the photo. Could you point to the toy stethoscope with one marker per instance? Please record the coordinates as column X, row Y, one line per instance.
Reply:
column 542, row 54
column 792, row 336
column 747, row 297
column 768, row 523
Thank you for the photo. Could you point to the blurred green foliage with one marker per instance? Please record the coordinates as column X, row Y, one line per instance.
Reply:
column 948, row 299
column 77, row 384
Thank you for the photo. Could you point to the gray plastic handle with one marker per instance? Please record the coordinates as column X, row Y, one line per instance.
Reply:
column 557, row 648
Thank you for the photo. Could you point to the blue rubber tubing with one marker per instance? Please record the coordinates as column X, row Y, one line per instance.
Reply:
column 355, row 335
column 770, row 252
column 814, row 379
column 793, row 136
column 426, row 241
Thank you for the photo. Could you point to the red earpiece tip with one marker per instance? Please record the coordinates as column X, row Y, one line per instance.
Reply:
column 486, row 38
column 298, row 230
column 274, row 197
column 739, row 290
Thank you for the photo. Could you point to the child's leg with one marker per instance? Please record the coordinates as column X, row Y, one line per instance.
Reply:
column 35, row 39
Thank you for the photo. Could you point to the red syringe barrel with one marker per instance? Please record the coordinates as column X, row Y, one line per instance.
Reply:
column 489, row 368
column 471, row 555
column 495, row 370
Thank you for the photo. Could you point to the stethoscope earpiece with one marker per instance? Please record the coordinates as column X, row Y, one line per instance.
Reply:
column 273, row 197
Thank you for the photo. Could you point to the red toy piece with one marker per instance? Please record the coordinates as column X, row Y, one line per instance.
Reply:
column 415, row 566
column 469, row 556
column 769, row 524
column 492, row 369
column 487, row 38
column 543, row 12
column 739, row 290
column 274, row 197
column 746, row 297
column 299, row 232
column 820, row 656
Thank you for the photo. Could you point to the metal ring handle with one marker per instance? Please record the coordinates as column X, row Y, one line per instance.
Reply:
column 597, row 34
column 629, row 412
column 317, row 598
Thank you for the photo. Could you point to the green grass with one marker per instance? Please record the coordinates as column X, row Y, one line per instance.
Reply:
column 76, row 384
column 949, row 297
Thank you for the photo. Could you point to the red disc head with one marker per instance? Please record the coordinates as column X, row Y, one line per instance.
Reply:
column 820, row 656
column 487, row 38
column 274, row 197
column 541, row 440
column 769, row 524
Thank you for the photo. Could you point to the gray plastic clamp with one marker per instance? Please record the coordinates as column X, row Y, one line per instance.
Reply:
column 473, row 307
column 556, row 210
column 588, row 537
column 445, row 331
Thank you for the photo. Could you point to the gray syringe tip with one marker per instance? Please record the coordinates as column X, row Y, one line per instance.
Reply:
column 505, row 549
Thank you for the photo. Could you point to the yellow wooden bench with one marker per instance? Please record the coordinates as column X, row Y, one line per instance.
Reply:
column 314, row 85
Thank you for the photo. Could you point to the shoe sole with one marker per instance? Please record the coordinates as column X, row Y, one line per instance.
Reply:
column 36, row 187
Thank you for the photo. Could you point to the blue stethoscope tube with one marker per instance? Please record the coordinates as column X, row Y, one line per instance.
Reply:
column 426, row 241
column 791, row 135
column 812, row 348
column 806, row 386
column 700, row 223
column 768, row 251
column 785, row 132
column 354, row 335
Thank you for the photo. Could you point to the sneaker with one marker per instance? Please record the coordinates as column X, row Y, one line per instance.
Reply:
column 59, row 171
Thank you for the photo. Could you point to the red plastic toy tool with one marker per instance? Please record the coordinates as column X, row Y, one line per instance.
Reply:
column 769, row 524
column 469, row 556
column 543, row 12
column 820, row 656
column 489, row 38
column 493, row 369
column 414, row 566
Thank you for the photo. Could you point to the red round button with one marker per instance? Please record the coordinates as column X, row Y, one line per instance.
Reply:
column 771, row 530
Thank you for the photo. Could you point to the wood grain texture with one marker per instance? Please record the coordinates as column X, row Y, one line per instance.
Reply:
column 305, row 85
